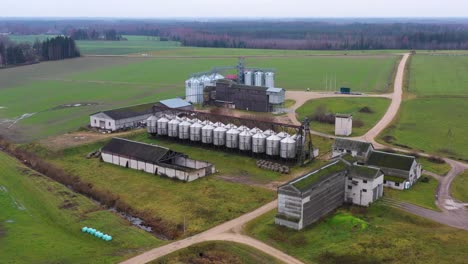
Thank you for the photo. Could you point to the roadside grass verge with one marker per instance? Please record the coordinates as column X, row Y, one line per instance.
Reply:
column 459, row 187
column 344, row 240
column 218, row 252
column 363, row 120
column 41, row 222
column 440, row 168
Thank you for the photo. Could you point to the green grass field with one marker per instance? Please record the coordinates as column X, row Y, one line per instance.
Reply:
column 433, row 115
column 41, row 221
column 422, row 194
column 218, row 252
column 435, row 125
column 346, row 106
column 203, row 203
column 438, row 168
column 377, row 234
column 459, row 187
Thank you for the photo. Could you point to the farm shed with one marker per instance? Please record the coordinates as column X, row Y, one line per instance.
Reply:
column 176, row 103
column 247, row 97
column 401, row 171
column 121, row 118
column 364, row 185
column 154, row 159
column 358, row 149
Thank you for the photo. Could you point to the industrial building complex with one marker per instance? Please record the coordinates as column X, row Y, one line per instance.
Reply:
column 356, row 175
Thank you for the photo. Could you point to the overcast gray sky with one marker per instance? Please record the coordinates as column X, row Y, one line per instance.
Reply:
column 233, row 8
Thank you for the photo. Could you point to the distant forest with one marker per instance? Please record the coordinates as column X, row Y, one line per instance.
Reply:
column 57, row 48
column 306, row 34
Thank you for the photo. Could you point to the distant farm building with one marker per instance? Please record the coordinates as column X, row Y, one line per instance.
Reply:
column 154, row 159
column 132, row 116
column 306, row 199
column 401, row 171
column 246, row 97
column 343, row 125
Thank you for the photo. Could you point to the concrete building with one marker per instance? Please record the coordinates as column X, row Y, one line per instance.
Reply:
column 401, row 171
column 364, row 185
column 154, row 159
column 306, row 199
column 343, row 125
column 132, row 116
column 357, row 149
column 245, row 97
column 121, row 118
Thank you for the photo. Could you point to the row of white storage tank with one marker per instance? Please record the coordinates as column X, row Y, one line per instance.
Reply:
column 230, row 136
column 259, row 78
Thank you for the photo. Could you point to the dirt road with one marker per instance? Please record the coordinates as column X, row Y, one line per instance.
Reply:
column 229, row 231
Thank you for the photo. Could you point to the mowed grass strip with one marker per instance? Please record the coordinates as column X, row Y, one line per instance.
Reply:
column 434, row 125
column 459, row 187
column 202, row 204
column 378, row 107
column 41, row 221
column 366, row 235
column 218, row 252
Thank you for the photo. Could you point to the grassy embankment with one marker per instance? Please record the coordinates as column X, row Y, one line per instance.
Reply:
column 358, row 235
column 40, row 222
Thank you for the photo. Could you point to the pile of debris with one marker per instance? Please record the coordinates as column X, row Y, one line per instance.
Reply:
column 94, row 154
column 269, row 165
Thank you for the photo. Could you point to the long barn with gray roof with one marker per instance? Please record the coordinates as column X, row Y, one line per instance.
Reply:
column 154, row 159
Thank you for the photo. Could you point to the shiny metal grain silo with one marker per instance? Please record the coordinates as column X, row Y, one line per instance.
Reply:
column 268, row 132
column 282, row 135
column 184, row 130
column 273, row 145
column 248, row 78
column 242, row 128
column 195, row 132
column 288, row 148
column 259, row 76
column 270, row 79
column 232, row 138
column 255, row 130
column 245, row 140
column 173, row 128
column 259, row 143
column 219, row 136
column 208, row 134
column 230, row 126
column 218, row 124
column 152, row 124
column 162, row 126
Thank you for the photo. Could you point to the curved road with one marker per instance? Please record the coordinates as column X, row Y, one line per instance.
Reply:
column 453, row 213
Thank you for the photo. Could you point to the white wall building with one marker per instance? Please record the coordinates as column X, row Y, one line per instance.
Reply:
column 358, row 149
column 343, row 125
column 364, row 185
column 121, row 118
column 155, row 160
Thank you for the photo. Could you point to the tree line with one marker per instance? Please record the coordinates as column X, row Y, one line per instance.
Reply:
column 57, row 48
column 93, row 34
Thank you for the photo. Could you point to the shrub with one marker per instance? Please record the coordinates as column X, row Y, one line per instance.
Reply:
column 366, row 110
column 437, row 160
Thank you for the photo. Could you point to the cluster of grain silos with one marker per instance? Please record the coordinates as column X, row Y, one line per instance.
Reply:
column 259, row 78
column 194, row 86
column 226, row 135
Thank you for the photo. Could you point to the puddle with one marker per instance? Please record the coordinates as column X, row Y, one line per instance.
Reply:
column 73, row 105
column 9, row 221
column 137, row 222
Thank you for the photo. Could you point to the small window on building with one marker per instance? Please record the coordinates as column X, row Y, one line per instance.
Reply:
column 364, row 181
column 95, row 121
column 384, row 181
column 348, row 151
column 397, row 184
column 109, row 124
column 349, row 178
column 350, row 187
column 364, row 190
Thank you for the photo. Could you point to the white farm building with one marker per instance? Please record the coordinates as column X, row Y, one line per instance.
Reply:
column 132, row 116
column 154, row 159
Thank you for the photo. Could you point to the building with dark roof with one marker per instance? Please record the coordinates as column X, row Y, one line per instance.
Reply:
column 154, row 159
column 400, row 171
column 306, row 199
column 132, row 116
column 246, row 97
column 358, row 149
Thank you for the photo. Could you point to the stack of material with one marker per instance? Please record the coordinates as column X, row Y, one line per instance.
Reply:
column 273, row 166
